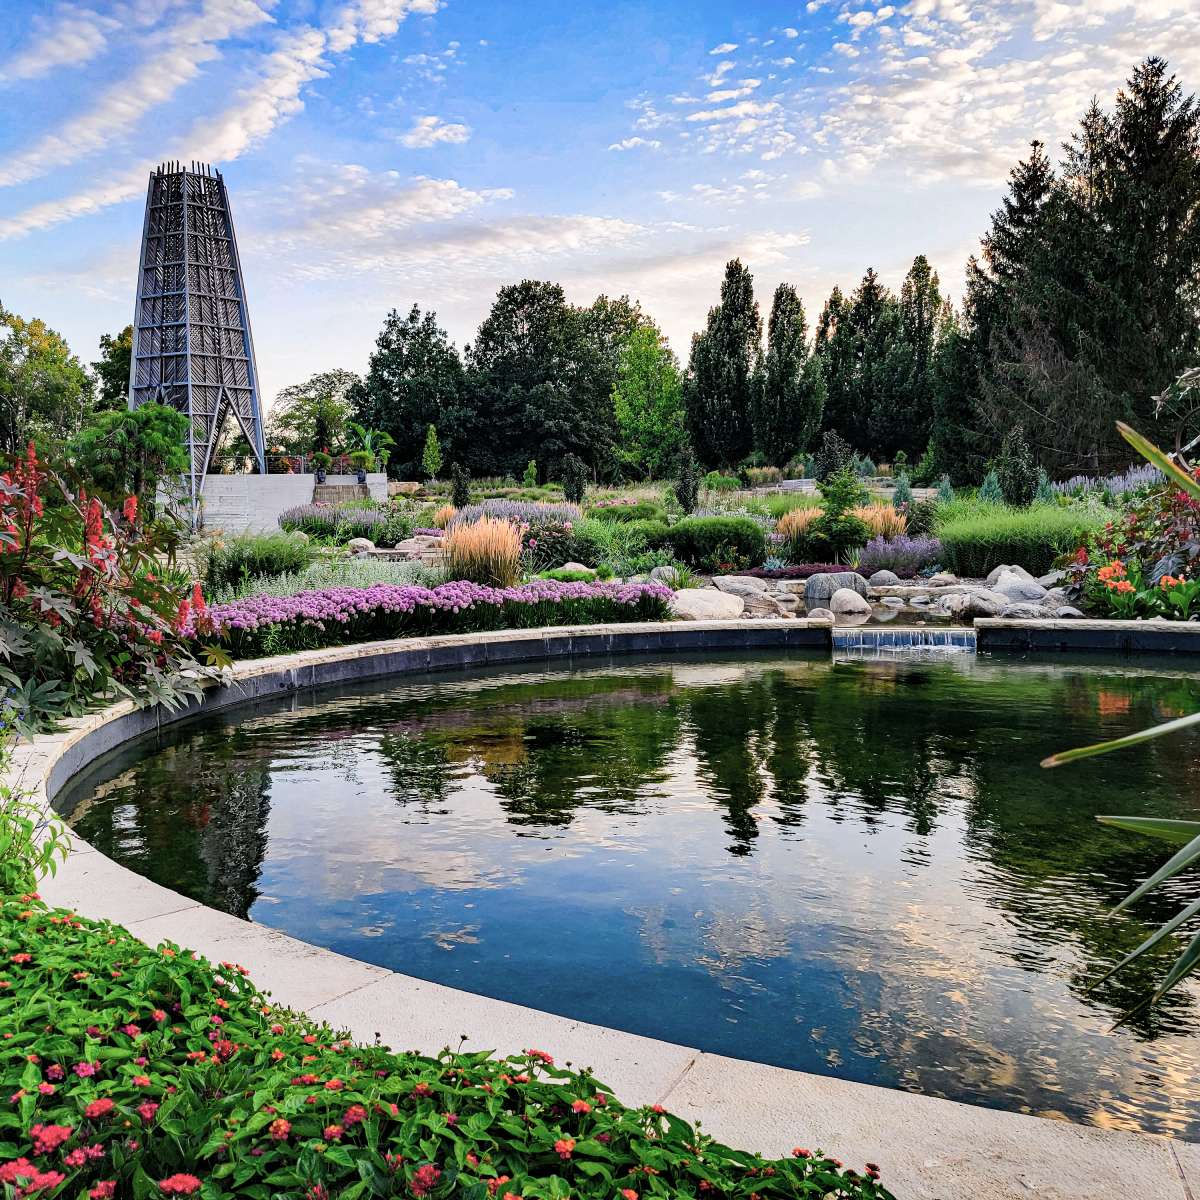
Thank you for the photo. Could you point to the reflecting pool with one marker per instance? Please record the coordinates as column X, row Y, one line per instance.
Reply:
column 853, row 868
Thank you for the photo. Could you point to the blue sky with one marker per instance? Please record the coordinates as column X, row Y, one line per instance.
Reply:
column 381, row 152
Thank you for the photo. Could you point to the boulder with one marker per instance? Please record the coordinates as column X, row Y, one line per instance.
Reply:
column 821, row 614
column 847, row 602
column 986, row 603
column 360, row 545
column 1019, row 590
column 740, row 585
column 884, row 579
column 1056, row 597
column 298, row 535
column 1052, row 578
column 1027, row 612
column 419, row 544
column 821, row 588
column 943, row 579
column 1068, row 613
column 706, row 604
column 574, row 566
column 893, row 601
column 1003, row 569
column 403, row 488
column 796, row 587
column 786, row 601
column 761, row 604
column 664, row 575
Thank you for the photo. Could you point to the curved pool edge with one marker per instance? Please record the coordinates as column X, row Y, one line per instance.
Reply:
column 928, row 1147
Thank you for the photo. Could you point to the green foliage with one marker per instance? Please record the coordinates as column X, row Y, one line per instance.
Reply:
column 924, row 474
column 312, row 415
column 31, row 841
column 978, row 536
column 431, row 456
column 835, row 454
column 460, row 486
column 989, row 489
column 574, row 479
column 902, row 496
column 529, row 479
column 712, row 543
column 124, row 453
column 112, row 370
column 362, row 460
column 648, row 403
column 560, row 575
column 790, row 399
column 615, row 544
column 44, row 389
column 643, row 510
column 687, row 483
column 1016, row 472
column 723, row 372
column 945, row 489
column 229, row 1113
column 837, row 531
column 353, row 572
column 714, row 481
column 1044, row 492
column 235, row 562
column 899, row 462
column 371, row 447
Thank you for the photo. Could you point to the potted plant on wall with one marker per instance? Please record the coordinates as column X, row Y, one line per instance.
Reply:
column 320, row 462
column 362, row 461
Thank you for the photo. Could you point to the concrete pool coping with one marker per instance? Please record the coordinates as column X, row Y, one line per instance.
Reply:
column 929, row 1148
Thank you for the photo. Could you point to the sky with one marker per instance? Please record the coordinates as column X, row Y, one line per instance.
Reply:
column 381, row 153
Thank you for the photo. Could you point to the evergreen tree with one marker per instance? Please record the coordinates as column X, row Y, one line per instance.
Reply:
column 791, row 399
column 574, row 479
column 415, row 379
column 460, row 486
column 687, row 485
column 723, row 372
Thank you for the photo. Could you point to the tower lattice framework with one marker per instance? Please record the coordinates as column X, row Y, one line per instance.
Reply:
column 192, row 346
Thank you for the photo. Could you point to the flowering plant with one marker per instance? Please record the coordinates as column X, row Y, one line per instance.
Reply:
column 333, row 616
column 91, row 606
column 130, row 1071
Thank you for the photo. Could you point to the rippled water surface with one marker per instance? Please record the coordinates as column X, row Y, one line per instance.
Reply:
column 850, row 868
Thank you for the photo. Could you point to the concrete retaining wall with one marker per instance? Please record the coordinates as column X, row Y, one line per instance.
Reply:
column 252, row 503
column 1108, row 637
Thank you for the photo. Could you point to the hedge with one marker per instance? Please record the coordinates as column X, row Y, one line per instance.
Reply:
column 136, row 1072
column 712, row 543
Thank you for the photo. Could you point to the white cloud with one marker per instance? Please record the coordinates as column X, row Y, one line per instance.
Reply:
column 746, row 108
column 633, row 143
column 168, row 59
column 791, row 33
column 373, row 20
column 724, row 48
column 430, row 130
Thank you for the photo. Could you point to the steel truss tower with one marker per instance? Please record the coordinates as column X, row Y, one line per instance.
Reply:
column 192, row 347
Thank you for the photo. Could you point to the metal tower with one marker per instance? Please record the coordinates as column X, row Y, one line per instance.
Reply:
column 192, row 347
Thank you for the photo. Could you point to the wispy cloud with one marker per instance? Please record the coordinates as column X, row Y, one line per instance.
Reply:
column 724, row 48
column 635, row 143
column 430, row 130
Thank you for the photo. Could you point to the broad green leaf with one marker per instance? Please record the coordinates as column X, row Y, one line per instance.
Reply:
column 1151, row 453
column 1121, row 743
column 1160, row 827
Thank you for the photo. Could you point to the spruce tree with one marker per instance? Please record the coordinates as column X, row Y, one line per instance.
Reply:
column 723, row 372
column 687, row 485
column 791, row 399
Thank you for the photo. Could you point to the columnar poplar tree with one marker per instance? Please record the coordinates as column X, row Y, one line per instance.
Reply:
column 723, row 372
column 791, row 396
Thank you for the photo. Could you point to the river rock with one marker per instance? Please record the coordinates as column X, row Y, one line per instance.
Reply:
column 360, row 545
column 1018, row 589
column 706, row 604
column 821, row 588
column 1068, row 612
column 1004, row 569
column 943, row 579
column 893, row 601
column 986, row 603
column 740, row 585
column 820, row 614
column 884, row 579
column 1027, row 612
column 847, row 602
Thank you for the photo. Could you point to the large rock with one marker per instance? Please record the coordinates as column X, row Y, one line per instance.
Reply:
column 740, row 585
column 762, row 604
column 797, row 587
column 884, row 579
column 1028, row 612
column 820, row 614
column 669, row 576
column 1056, row 597
column 360, row 545
column 419, row 544
column 986, row 603
column 1004, row 569
column 943, row 579
column 403, row 488
column 1068, row 612
column 820, row 588
column 706, row 604
column 1019, row 590
column 786, row 600
column 1052, row 579
column 847, row 602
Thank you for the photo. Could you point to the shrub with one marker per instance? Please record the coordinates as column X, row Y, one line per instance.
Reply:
column 362, row 460
column 902, row 497
column 687, row 486
column 642, row 510
column 977, row 537
column 903, row 555
column 396, row 527
column 833, row 456
column 717, row 543
column 486, row 551
column 615, row 544
column 90, row 601
column 226, row 563
column 1016, row 472
column 882, row 520
column 863, row 467
column 355, row 522
column 1045, row 493
column 31, row 841
column 337, row 572
column 520, row 512
column 576, row 575
column 945, row 489
column 837, row 531
column 923, row 516
column 443, row 516
column 716, row 482
column 529, row 479
column 989, row 490
column 317, row 520
column 574, row 479
column 547, row 544
column 431, row 456
column 460, row 486
column 129, row 451
column 923, row 474
column 240, row 1109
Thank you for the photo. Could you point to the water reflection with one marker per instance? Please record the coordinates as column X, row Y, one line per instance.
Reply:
column 855, row 868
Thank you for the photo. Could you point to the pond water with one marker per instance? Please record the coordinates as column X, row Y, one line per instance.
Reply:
column 853, row 868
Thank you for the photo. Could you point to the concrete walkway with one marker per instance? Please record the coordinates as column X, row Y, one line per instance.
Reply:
column 929, row 1149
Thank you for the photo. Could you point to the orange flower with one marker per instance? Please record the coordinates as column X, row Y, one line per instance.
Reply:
column 1124, row 586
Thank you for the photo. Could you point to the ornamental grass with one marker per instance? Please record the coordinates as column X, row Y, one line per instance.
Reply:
column 882, row 520
column 797, row 522
column 263, row 624
column 132, row 1072
column 486, row 551
column 443, row 516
